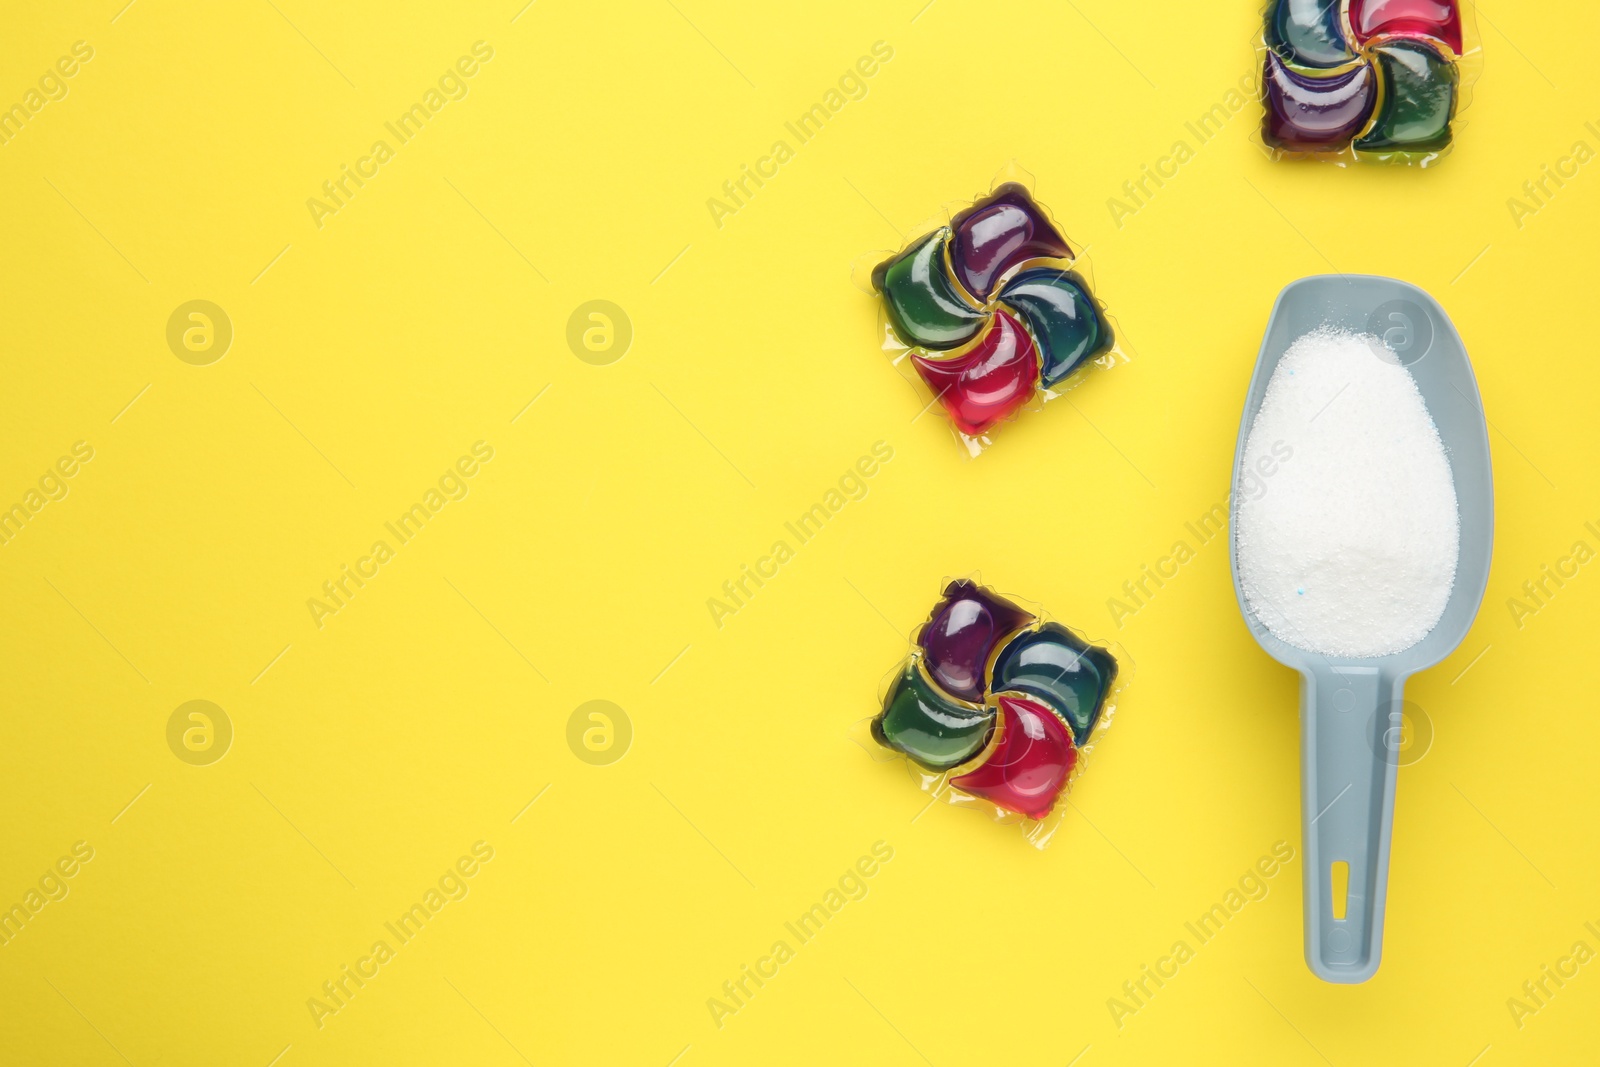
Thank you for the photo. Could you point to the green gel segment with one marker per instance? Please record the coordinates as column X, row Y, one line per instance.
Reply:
column 924, row 307
column 933, row 730
column 1062, row 317
column 1053, row 663
column 1419, row 94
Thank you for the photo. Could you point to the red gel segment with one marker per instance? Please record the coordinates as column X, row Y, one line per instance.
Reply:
column 990, row 381
column 1439, row 19
column 1029, row 768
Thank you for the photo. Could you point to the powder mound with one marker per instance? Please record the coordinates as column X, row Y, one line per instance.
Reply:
column 1349, row 547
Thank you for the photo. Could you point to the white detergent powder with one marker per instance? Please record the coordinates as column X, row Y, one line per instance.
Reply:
column 1348, row 544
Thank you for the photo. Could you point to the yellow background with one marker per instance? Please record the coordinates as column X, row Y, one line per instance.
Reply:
column 370, row 353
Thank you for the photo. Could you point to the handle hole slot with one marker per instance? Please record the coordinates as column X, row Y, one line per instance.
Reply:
column 1339, row 888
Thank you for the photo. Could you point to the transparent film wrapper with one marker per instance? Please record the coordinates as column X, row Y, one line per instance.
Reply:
column 1346, row 81
column 989, row 312
column 997, row 708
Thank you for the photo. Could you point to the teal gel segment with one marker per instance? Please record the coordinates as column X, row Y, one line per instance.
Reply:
column 1054, row 664
column 924, row 307
column 1309, row 32
column 1419, row 94
column 1063, row 318
column 933, row 730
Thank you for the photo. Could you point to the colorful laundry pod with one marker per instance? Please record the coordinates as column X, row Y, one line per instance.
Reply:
column 998, row 701
column 1054, row 663
column 957, row 641
column 988, row 381
column 934, row 730
column 1362, row 79
column 992, row 311
column 1030, row 761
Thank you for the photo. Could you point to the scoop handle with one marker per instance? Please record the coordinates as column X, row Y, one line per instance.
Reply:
column 1349, row 746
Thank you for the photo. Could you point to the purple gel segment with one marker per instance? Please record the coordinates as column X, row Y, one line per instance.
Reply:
column 964, row 629
column 996, row 234
column 1316, row 112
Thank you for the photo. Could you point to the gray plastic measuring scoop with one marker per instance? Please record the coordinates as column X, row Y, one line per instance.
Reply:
column 1350, row 709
